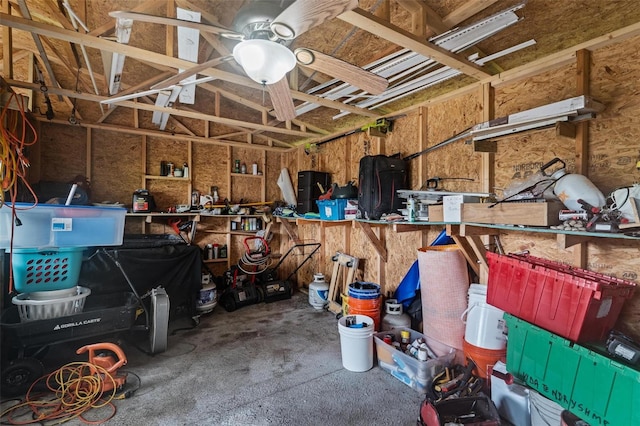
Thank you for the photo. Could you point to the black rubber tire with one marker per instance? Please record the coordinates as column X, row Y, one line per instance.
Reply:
column 19, row 375
column 228, row 302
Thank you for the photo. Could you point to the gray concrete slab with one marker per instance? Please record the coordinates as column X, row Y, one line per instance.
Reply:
column 265, row 364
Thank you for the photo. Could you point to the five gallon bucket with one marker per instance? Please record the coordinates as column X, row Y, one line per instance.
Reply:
column 364, row 299
column 484, row 323
column 356, row 342
column 484, row 359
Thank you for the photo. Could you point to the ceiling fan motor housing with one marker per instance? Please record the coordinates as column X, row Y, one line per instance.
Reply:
column 254, row 20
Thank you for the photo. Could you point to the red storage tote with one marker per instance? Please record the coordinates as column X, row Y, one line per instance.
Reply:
column 577, row 304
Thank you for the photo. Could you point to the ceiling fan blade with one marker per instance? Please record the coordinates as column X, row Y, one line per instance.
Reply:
column 306, row 14
column 349, row 73
column 188, row 73
column 282, row 100
column 144, row 17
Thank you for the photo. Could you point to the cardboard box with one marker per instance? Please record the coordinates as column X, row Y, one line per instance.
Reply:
column 531, row 214
column 435, row 213
column 452, row 206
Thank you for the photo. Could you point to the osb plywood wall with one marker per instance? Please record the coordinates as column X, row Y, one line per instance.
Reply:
column 116, row 169
column 614, row 148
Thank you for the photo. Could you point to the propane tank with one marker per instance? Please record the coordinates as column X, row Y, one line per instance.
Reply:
column 569, row 188
column 318, row 291
column 394, row 316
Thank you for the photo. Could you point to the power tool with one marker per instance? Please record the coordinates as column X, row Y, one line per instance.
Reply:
column 100, row 358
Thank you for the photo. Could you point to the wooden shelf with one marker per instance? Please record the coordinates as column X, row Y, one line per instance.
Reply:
column 219, row 260
column 156, row 177
column 246, row 175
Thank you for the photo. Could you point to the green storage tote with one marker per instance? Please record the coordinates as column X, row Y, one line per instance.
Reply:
column 601, row 391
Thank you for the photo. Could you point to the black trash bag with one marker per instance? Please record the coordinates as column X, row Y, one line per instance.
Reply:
column 415, row 312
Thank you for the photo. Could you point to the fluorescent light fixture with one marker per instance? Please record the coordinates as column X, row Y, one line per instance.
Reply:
column 264, row 61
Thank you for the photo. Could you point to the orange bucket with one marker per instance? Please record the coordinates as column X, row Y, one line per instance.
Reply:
column 483, row 358
column 368, row 307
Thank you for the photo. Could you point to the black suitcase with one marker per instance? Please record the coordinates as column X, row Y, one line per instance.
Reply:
column 309, row 191
column 380, row 177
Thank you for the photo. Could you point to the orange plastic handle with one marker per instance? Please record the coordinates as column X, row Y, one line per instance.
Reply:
column 122, row 358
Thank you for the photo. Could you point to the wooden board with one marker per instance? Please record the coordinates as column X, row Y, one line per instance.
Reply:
column 531, row 214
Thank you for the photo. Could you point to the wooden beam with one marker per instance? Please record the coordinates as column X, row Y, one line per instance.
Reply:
column 163, row 135
column 158, row 58
column 7, row 44
column 178, row 112
column 110, row 25
column 397, row 35
column 374, row 240
column 583, row 76
column 467, row 10
column 36, row 39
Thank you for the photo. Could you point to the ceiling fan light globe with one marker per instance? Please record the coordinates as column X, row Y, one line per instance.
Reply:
column 264, row 61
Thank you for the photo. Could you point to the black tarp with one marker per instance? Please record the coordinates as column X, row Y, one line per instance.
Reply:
column 176, row 268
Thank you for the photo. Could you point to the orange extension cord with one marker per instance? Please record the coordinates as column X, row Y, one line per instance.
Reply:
column 78, row 387
column 16, row 134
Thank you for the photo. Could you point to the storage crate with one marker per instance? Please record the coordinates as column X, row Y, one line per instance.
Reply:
column 580, row 305
column 61, row 226
column 32, row 310
column 332, row 209
column 43, row 270
column 409, row 370
column 599, row 390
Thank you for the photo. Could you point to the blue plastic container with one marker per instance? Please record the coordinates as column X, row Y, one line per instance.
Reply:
column 332, row 209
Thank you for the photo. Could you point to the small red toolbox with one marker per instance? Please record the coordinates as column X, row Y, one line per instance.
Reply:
column 580, row 305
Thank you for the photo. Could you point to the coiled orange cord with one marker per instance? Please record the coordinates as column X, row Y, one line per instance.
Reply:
column 16, row 134
column 78, row 387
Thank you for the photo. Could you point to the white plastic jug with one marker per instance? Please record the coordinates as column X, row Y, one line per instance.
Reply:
column 483, row 323
column 570, row 188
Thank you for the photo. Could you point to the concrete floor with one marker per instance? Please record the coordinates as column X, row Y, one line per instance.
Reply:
column 265, row 364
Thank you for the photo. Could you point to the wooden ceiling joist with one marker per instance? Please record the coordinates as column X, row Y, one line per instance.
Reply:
column 38, row 42
column 178, row 112
column 158, row 58
column 371, row 23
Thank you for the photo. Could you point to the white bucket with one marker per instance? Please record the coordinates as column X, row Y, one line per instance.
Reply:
column 484, row 323
column 544, row 411
column 356, row 344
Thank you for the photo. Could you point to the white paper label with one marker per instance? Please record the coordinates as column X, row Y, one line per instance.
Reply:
column 64, row 224
column 604, row 309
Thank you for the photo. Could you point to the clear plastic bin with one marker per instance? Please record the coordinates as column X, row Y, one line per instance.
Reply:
column 409, row 370
column 53, row 225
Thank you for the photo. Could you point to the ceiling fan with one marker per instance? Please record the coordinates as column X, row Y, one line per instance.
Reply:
column 264, row 29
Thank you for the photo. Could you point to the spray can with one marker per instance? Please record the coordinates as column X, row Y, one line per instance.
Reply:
column 411, row 209
column 208, row 252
